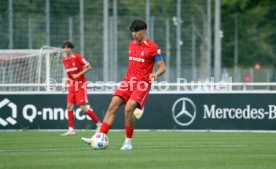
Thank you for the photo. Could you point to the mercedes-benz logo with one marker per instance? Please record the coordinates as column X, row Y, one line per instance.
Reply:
column 184, row 111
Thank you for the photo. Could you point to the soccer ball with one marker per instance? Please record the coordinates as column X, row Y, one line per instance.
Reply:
column 99, row 141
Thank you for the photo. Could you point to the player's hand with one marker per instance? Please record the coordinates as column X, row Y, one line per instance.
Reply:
column 75, row 76
column 152, row 76
column 63, row 89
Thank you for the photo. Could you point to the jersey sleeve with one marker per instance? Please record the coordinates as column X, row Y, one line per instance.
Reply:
column 156, row 50
column 83, row 62
column 157, row 54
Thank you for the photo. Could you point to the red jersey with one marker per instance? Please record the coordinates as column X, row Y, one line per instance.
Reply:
column 141, row 59
column 74, row 65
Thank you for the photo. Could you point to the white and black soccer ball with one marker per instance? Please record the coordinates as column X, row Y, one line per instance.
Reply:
column 99, row 141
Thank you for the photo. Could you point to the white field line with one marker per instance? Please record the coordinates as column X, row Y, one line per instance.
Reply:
column 146, row 130
column 135, row 148
column 41, row 150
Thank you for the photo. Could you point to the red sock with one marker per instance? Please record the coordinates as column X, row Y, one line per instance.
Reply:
column 71, row 118
column 105, row 128
column 93, row 116
column 129, row 131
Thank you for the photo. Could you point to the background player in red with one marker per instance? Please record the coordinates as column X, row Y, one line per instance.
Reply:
column 77, row 92
column 134, row 90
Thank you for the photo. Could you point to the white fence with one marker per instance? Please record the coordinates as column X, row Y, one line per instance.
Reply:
column 163, row 87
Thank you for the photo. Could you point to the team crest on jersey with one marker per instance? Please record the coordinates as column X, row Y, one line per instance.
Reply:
column 73, row 64
column 143, row 54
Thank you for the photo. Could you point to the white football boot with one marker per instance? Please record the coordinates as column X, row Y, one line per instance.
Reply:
column 69, row 133
column 127, row 145
column 86, row 140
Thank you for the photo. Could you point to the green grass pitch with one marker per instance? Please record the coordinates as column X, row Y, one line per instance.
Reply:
column 162, row 150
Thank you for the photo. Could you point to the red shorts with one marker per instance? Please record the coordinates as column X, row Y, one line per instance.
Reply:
column 138, row 92
column 77, row 97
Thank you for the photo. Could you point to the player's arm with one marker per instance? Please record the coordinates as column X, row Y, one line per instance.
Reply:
column 161, row 67
column 86, row 66
column 85, row 70
column 64, row 80
column 64, row 84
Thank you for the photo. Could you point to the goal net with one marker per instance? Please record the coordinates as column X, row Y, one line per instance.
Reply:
column 28, row 70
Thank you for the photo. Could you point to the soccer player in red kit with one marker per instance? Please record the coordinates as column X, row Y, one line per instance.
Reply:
column 76, row 66
column 134, row 90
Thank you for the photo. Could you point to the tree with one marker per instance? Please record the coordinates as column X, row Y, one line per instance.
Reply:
column 257, row 32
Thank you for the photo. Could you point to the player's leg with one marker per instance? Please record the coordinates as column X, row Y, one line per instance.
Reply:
column 70, row 110
column 91, row 114
column 82, row 100
column 70, row 114
column 137, row 99
column 131, row 105
column 115, row 104
column 129, row 117
column 118, row 99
